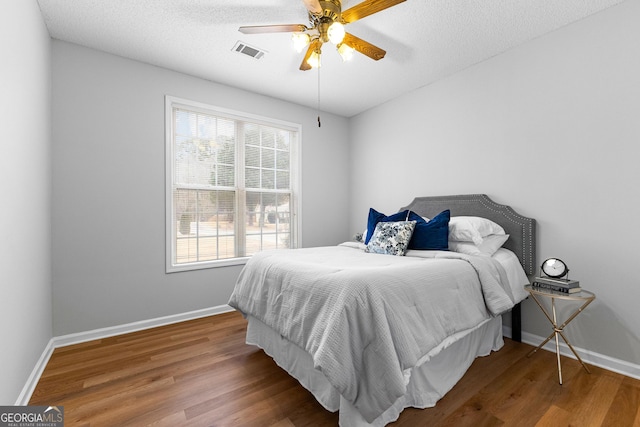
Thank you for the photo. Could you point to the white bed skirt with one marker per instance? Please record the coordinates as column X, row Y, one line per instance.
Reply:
column 435, row 375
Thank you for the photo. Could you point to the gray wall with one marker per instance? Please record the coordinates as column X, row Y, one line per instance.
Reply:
column 25, row 185
column 550, row 128
column 108, row 188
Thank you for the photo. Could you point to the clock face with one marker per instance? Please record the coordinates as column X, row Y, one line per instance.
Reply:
column 554, row 267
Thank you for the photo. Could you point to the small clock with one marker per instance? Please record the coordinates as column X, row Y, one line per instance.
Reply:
column 554, row 267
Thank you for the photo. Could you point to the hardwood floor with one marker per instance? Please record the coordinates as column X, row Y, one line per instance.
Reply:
column 201, row 373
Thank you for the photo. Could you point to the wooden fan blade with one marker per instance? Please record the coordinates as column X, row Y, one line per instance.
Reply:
column 304, row 66
column 313, row 6
column 366, row 8
column 260, row 29
column 364, row 47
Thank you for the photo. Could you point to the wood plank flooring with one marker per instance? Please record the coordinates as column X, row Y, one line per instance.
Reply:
column 201, row 373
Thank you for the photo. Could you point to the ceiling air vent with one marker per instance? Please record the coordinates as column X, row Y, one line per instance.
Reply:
column 251, row 51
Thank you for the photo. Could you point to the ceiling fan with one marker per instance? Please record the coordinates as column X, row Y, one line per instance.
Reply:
column 327, row 22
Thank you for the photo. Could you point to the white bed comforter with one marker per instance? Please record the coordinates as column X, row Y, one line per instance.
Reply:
column 367, row 319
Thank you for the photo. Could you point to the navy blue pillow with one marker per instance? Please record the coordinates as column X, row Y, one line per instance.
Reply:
column 432, row 235
column 375, row 217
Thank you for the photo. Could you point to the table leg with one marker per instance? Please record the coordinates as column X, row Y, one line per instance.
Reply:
column 556, row 331
column 548, row 318
column 574, row 351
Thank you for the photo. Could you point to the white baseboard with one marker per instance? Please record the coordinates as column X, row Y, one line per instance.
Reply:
column 111, row 331
column 590, row 357
column 32, row 382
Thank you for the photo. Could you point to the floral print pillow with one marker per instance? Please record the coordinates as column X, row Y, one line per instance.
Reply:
column 391, row 238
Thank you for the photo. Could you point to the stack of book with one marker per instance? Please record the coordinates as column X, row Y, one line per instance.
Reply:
column 566, row 286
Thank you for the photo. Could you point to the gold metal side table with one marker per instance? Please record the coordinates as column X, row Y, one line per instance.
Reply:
column 585, row 297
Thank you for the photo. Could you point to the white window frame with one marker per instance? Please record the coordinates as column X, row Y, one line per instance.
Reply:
column 172, row 102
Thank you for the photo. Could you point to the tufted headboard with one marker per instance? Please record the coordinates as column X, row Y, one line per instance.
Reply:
column 521, row 230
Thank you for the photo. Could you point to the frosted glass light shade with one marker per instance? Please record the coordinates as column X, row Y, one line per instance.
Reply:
column 300, row 41
column 345, row 51
column 336, row 33
column 314, row 60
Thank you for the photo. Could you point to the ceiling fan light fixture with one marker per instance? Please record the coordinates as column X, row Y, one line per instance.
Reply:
column 336, row 33
column 314, row 59
column 300, row 41
column 345, row 51
column 326, row 24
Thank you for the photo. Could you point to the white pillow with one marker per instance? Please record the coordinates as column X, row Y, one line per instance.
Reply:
column 489, row 246
column 472, row 229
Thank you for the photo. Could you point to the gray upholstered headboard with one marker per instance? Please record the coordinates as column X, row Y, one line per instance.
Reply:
column 521, row 230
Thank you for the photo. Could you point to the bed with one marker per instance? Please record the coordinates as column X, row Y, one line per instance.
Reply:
column 369, row 335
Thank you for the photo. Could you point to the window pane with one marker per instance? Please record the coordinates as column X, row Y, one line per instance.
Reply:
column 252, row 156
column 183, row 152
column 204, row 165
column 184, row 209
column 268, row 179
column 252, row 178
column 205, row 225
column 185, row 123
column 268, row 158
column 252, row 134
column 284, row 212
column 226, row 128
column 226, row 176
column 284, row 240
column 268, row 221
column 206, row 126
column 226, row 151
column 186, row 250
column 282, row 140
column 254, row 206
column 282, row 180
column 282, row 161
column 268, row 137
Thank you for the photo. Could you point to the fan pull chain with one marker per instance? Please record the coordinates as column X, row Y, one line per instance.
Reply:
column 319, row 124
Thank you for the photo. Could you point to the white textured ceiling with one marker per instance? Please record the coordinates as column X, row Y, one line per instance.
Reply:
column 425, row 40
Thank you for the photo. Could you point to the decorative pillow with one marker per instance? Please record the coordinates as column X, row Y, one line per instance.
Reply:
column 472, row 229
column 391, row 238
column 431, row 234
column 489, row 246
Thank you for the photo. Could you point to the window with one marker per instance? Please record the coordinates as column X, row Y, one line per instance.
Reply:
column 232, row 185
